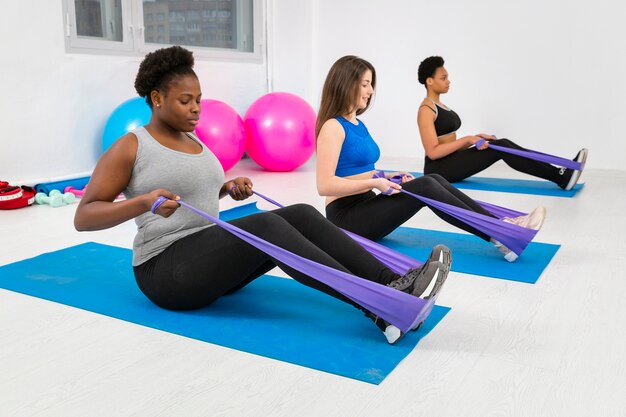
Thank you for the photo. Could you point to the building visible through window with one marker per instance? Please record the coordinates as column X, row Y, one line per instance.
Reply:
column 99, row 19
column 212, row 28
column 204, row 23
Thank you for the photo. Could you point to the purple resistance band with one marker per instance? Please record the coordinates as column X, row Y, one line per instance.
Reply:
column 400, row 309
column 535, row 155
column 496, row 210
column 396, row 261
column 511, row 235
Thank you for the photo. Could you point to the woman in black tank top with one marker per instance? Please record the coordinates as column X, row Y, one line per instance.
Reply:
column 456, row 159
column 351, row 202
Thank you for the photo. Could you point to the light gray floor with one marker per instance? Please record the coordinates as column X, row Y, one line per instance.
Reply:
column 555, row 348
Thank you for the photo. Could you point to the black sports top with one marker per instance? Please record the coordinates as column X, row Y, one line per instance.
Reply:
column 446, row 120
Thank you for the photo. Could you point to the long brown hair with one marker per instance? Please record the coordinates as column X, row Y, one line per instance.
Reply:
column 341, row 89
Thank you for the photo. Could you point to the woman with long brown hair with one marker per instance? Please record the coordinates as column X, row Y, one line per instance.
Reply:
column 347, row 153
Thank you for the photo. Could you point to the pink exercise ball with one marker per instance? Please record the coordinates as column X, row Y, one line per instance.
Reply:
column 221, row 129
column 280, row 131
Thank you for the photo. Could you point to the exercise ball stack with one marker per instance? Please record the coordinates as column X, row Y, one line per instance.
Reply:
column 280, row 131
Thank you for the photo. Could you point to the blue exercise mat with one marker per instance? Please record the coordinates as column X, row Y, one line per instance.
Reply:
column 508, row 185
column 470, row 254
column 78, row 183
column 239, row 211
column 273, row 317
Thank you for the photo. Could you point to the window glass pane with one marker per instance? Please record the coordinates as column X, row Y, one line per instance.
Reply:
column 99, row 19
column 206, row 23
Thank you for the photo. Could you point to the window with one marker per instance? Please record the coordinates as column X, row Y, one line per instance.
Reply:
column 229, row 29
column 98, row 22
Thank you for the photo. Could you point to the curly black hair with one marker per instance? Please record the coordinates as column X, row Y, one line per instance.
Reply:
column 428, row 67
column 160, row 67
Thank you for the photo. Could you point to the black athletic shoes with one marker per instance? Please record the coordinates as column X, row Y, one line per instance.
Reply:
column 569, row 176
column 415, row 282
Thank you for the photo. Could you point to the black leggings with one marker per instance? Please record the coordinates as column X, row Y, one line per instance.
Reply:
column 463, row 164
column 196, row 270
column 375, row 216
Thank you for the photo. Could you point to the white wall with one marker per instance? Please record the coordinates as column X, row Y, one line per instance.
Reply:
column 290, row 46
column 54, row 105
column 548, row 74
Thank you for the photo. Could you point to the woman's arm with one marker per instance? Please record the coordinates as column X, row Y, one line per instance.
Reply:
column 329, row 143
column 97, row 209
column 432, row 147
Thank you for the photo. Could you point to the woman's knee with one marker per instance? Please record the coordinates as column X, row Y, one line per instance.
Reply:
column 299, row 211
column 306, row 209
column 504, row 142
column 261, row 223
column 426, row 182
column 440, row 179
column 274, row 220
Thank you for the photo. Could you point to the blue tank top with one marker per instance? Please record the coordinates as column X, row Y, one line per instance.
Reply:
column 359, row 152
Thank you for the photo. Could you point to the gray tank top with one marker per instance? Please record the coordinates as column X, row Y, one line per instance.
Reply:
column 196, row 178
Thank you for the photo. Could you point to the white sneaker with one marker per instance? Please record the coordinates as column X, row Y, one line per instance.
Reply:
column 391, row 332
column 509, row 255
column 533, row 220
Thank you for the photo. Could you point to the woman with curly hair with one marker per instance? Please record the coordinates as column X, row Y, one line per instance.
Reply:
column 180, row 260
column 456, row 159
column 346, row 157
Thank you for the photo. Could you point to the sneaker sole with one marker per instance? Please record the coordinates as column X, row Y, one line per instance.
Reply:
column 582, row 158
column 544, row 212
column 429, row 273
column 443, row 269
column 439, row 253
column 442, row 254
column 572, row 181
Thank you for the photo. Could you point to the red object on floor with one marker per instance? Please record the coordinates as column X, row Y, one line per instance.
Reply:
column 14, row 197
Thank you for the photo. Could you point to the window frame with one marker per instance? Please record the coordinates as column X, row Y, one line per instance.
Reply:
column 133, row 36
column 73, row 43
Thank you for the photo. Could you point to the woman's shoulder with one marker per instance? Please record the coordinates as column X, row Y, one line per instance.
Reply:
column 426, row 101
column 427, row 104
column 124, row 149
column 127, row 141
column 427, row 109
column 333, row 125
column 332, row 129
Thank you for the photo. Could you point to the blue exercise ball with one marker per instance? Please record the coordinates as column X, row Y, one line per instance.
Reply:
column 128, row 116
